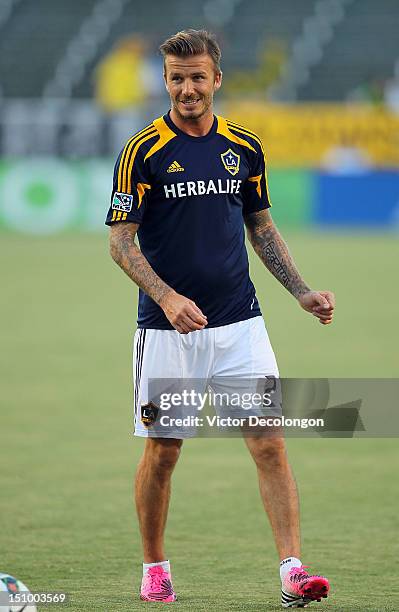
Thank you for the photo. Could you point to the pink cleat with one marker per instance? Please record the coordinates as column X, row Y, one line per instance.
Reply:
column 299, row 588
column 157, row 585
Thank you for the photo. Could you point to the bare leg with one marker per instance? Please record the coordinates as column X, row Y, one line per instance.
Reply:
column 152, row 493
column 279, row 493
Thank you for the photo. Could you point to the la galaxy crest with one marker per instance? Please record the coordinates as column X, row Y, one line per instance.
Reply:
column 149, row 413
column 231, row 161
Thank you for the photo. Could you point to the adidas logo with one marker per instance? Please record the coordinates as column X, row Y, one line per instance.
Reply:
column 175, row 167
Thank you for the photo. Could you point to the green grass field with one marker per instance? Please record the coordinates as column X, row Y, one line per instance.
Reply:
column 67, row 456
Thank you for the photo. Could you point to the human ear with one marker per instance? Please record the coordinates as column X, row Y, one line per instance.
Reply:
column 166, row 82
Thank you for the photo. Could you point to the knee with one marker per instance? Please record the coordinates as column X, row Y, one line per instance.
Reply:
column 268, row 452
column 164, row 454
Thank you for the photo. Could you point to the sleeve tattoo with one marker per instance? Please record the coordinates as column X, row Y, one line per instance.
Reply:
column 272, row 250
column 128, row 256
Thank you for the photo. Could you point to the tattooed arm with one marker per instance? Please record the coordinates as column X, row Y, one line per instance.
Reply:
column 182, row 313
column 128, row 256
column 272, row 250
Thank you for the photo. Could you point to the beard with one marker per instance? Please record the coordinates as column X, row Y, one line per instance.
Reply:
column 193, row 115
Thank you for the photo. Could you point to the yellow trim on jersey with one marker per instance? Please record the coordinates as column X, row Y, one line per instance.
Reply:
column 129, row 155
column 223, row 129
column 242, row 130
column 157, row 128
column 165, row 135
column 125, row 156
column 267, row 189
column 256, row 179
column 119, row 216
column 141, row 187
column 135, row 148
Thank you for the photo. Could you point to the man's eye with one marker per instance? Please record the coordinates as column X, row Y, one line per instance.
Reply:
column 176, row 79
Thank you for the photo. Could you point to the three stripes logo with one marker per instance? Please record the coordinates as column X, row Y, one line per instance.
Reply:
column 175, row 167
column 117, row 215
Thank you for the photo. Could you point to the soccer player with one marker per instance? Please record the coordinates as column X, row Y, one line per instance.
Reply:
column 187, row 184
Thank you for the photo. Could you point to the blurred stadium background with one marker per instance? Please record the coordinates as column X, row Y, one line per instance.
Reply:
column 318, row 80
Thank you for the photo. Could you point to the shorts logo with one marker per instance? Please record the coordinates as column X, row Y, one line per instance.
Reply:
column 231, row 161
column 149, row 413
column 122, row 201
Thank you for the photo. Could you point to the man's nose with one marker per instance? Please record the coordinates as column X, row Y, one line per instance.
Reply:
column 187, row 88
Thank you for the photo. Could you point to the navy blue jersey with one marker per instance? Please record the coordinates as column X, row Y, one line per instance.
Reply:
column 189, row 195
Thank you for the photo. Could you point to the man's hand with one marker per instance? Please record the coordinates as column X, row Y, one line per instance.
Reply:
column 320, row 303
column 182, row 313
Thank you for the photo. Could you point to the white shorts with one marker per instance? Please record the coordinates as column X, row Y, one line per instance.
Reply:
column 238, row 351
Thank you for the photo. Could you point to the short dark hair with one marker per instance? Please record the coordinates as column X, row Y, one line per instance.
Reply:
column 192, row 42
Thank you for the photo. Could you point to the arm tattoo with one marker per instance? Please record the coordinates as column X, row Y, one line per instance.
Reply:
column 280, row 270
column 128, row 256
column 272, row 250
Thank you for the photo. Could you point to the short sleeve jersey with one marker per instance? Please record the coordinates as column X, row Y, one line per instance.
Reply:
column 189, row 196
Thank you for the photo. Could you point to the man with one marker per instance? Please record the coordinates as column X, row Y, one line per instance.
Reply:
column 187, row 184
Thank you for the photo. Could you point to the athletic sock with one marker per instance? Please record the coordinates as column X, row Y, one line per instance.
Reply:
column 164, row 564
column 287, row 564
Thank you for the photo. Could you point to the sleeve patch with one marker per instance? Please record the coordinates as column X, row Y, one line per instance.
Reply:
column 122, row 202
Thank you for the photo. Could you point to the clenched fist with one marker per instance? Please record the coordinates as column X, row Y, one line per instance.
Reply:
column 182, row 313
column 321, row 304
